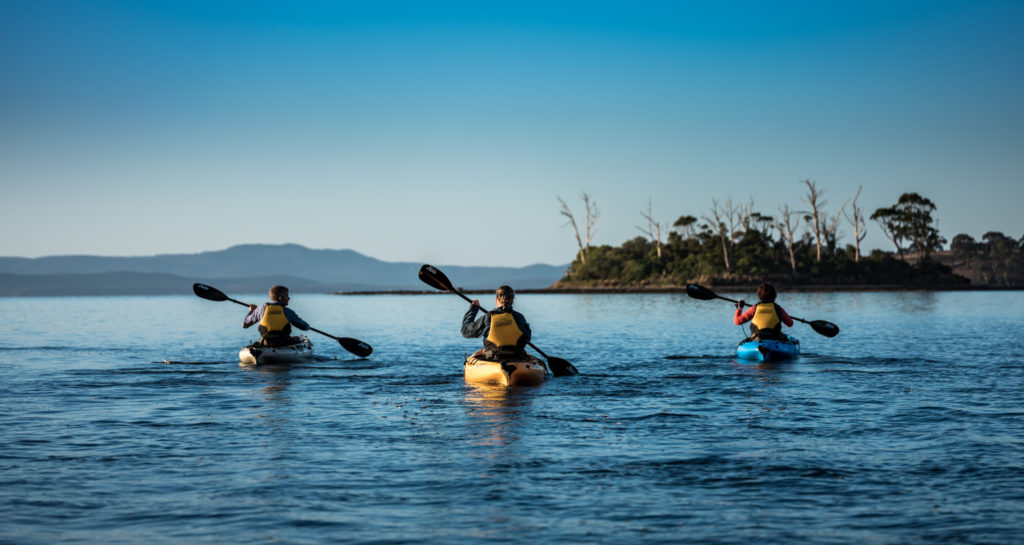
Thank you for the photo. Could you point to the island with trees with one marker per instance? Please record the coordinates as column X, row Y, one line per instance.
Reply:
column 733, row 244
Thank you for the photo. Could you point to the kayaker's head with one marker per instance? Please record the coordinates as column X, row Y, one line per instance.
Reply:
column 503, row 297
column 279, row 294
column 766, row 293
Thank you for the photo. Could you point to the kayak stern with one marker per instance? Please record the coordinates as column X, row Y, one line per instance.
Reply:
column 255, row 354
column 528, row 371
column 768, row 350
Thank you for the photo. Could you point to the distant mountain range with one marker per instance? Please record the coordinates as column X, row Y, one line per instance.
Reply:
column 245, row 268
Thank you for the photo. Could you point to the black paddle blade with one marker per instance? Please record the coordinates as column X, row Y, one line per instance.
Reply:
column 699, row 292
column 433, row 277
column 355, row 346
column 827, row 329
column 561, row 368
column 209, row 293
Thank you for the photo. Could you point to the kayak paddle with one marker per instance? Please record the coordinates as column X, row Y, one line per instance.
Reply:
column 354, row 346
column 827, row 329
column 436, row 279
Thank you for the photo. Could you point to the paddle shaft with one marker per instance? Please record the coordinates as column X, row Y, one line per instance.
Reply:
column 354, row 346
column 311, row 327
column 749, row 305
column 324, row 333
column 821, row 327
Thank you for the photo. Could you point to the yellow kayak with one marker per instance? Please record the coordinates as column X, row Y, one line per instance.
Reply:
column 524, row 371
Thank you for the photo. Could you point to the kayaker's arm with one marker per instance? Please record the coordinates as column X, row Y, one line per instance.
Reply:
column 741, row 317
column 254, row 316
column 524, row 326
column 786, row 319
column 471, row 327
column 295, row 320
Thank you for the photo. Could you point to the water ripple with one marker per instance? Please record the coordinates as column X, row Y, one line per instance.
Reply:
column 162, row 438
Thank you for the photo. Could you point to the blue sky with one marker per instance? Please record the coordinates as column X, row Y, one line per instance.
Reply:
column 444, row 132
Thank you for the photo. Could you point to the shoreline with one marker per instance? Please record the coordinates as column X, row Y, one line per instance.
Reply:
column 682, row 289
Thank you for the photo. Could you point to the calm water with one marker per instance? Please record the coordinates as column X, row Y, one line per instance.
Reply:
column 128, row 420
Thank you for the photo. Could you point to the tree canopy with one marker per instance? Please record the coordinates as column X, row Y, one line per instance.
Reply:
column 735, row 244
column 911, row 220
column 996, row 260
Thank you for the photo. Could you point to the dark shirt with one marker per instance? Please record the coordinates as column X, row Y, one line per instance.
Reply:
column 473, row 327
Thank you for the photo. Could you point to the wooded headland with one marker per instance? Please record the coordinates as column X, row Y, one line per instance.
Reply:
column 736, row 246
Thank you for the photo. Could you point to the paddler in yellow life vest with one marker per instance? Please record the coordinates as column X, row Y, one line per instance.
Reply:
column 275, row 319
column 766, row 318
column 504, row 330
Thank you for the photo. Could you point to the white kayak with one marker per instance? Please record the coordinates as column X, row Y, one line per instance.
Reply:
column 255, row 354
column 524, row 371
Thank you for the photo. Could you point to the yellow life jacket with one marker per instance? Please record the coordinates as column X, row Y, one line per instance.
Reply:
column 504, row 330
column 274, row 320
column 766, row 318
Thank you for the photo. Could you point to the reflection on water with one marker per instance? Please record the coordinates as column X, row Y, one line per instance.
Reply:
column 763, row 371
column 915, row 301
column 275, row 379
column 494, row 412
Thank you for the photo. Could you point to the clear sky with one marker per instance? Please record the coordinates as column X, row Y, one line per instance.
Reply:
column 444, row 131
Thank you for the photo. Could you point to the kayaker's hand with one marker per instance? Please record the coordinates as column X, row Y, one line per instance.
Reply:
column 740, row 304
column 252, row 308
column 475, row 303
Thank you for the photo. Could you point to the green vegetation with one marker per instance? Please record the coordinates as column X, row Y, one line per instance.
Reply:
column 997, row 260
column 735, row 245
column 756, row 258
column 910, row 220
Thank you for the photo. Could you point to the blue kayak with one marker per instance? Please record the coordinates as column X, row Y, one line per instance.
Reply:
column 768, row 350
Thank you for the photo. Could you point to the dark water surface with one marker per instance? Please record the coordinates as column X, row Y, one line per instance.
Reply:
column 128, row 420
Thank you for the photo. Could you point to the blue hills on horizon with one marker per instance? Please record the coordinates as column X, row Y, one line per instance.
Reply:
column 246, row 268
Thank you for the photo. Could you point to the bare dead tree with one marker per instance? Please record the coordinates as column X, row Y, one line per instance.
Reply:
column 814, row 199
column 856, row 219
column 745, row 218
column 787, row 224
column 582, row 240
column 722, row 220
column 567, row 212
column 592, row 213
column 653, row 230
column 832, row 234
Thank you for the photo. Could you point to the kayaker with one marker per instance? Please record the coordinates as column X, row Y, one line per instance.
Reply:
column 275, row 319
column 504, row 330
column 765, row 317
